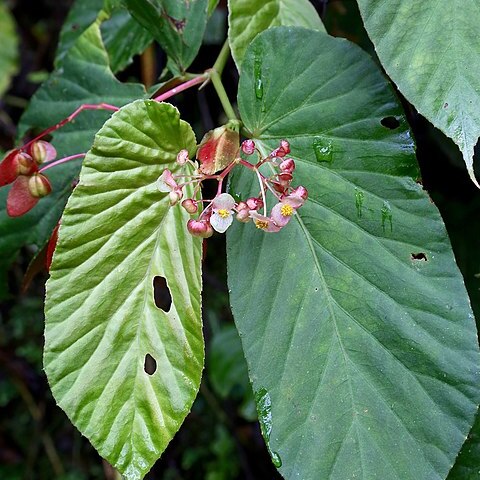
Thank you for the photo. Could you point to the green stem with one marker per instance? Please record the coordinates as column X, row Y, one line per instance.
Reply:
column 222, row 94
column 222, row 58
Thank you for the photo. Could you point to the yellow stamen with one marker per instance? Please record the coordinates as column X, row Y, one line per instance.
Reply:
column 287, row 210
column 261, row 224
column 224, row 213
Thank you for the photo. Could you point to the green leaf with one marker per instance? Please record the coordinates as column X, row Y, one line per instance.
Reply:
column 118, row 233
column 178, row 25
column 467, row 464
column 247, row 18
column 364, row 359
column 430, row 49
column 83, row 78
column 122, row 35
column 212, row 5
column 9, row 50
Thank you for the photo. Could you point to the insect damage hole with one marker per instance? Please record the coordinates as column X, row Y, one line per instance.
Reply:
column 390, row 122
column 419, row 256
column 150, row 364
column 161, row 293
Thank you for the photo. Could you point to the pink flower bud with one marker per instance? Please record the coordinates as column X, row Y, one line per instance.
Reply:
column 248, row 147
column 200, row 228
column 242, row 206
column 182, row 157
column 42, row 151
column 300, row 192
column 285, row 146
column 254, row 203
column 288, row 165
column 284, row 178
column 39, row 186
column 14, row 164
column 243, row 215
column 190, row 205
column 175, row 196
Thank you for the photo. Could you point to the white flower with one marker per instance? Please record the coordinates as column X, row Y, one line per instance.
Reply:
column 222, row 216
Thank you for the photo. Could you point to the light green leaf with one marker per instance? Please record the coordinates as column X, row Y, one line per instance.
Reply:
column 247, row 18
column 9, row 50
column 431, row 51
column 178, row 25
column 118, row 233
column 83, row 78
column 122, row 35
column 363, row 355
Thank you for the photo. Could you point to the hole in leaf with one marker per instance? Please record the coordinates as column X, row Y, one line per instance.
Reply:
column 150, row 364
column 419, row 256
column 161, row 293
column 390, row 122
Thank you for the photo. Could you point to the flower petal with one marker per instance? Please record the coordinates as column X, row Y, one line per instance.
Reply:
column 278, row 215
column 223, row 202
column 166, row 183
column 19, row 199
column 220, row 224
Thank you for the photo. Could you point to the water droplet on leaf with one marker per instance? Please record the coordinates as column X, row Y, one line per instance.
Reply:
column 323, row 150
column 257, row 73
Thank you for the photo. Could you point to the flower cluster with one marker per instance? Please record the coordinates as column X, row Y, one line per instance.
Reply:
column 20, row 168
column 217, row 150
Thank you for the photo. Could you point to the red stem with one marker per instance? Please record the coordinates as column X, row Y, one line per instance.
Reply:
column 60, row 161
column 85, row 106
column 182, row 87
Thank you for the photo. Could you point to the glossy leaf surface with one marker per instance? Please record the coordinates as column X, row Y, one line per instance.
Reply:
column 122, row 35
column 59, row 96
column 355, row 323
column 178, row 25
column 247, row 18
column 118, row 234
column 431, row 51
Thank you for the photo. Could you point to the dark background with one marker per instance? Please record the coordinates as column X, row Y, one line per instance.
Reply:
column 220, row 439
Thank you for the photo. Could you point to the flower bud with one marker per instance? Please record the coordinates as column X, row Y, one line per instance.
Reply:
column 300, row 192
column 200, row 228
column 242, row 206
column 254, row 203
column 182, row 157
column 42, row 151
column 284, row 178
column 285, row 146
column 248, row 147
column 218, row 149
column 190, row 205
column 39, row 186
column 175, row 196
column 243, row 215
column 288, row 165
column 24, row 164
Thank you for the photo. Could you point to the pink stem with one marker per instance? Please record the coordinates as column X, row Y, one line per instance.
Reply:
column 85, row 106
column 60, row 161
column 181, row 88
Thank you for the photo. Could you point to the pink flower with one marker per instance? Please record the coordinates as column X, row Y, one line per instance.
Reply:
column 222, row 216
column 42, row 151
column 264, row 223
column 283, row 211
column 248, row 147
column 182, row 157
column 200, row 228
column 167, row 184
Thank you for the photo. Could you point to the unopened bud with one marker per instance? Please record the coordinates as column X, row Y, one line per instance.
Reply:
column 254, row 203
column 24, row 164
column 288, row 165
column 190, row 205
column 243, row 215
column 200, row 228
column 242, row 206
column 39, row 186
column 248, row 147
column 285, row 146
column 175, row 196
column 300, row 192
column 182, row 157
column 42, row 151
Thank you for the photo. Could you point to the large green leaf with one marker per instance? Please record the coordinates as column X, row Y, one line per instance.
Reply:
column 247, row 18
column 355, row 322
column 178, row 25
column 118, row 233
column 9, row 50
column 431, row 51
column 123, row 36
column 83, row 78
